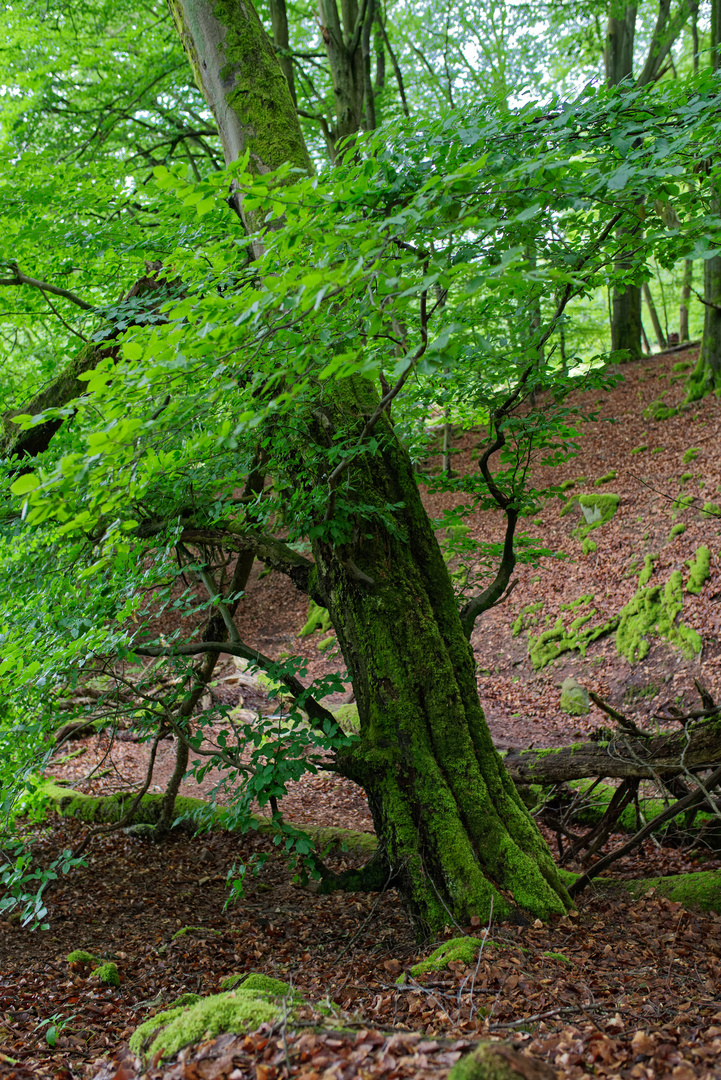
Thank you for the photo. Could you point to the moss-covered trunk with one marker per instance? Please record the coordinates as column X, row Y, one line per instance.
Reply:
column 457, row 836
column 458, row 839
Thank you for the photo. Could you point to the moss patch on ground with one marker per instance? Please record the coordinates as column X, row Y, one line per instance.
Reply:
column 700, row 890
column 108, row 974
column 653, row 612
column 463, row 948
column 257, row 1000
column 700, row 569
column 318, row 619
column 578, row 635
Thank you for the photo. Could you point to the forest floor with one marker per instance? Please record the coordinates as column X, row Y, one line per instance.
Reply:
column 631, row 989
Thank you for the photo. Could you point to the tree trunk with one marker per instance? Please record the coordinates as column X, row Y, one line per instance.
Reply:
column 455, row 833
column 618, row 58
column 342, row 41
column 707, row 374
column 281, row 40
column 655, row 322
column 683, row 332
column 456, row 836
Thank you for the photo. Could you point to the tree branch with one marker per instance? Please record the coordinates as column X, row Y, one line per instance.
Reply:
column 273, row 552
column 22, row 279
column 316, row 711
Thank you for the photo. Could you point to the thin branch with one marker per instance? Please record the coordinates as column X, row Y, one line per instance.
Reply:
column 22, row 279
column 315, row 711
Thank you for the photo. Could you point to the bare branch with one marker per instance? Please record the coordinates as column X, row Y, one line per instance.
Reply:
column 19, row 278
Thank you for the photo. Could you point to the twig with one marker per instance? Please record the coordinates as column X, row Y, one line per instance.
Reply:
column 544, row 1016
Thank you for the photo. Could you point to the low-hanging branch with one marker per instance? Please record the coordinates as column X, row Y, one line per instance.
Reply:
column 272, row 552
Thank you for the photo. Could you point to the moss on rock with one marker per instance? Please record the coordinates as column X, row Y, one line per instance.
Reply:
column 108, row 974
column 700, row 569
column 462, row 948
column 700, row 890
column 348, row 718
column 256, row 1001
column 496, row 1061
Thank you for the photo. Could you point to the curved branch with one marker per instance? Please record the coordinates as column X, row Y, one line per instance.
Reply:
column 317, row 713
column 22, row 279
column 275, row 553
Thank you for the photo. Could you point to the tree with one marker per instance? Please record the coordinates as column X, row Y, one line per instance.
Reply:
column 267, row 361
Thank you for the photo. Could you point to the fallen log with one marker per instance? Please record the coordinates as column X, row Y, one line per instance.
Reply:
column 623, row 757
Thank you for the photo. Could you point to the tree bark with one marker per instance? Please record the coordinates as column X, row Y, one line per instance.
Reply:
column 655, row 321
column 683, row 332
column 281, row 40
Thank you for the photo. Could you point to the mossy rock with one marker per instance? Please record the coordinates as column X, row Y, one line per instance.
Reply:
column 677, row 530
column 574, row 698
column 711, row 509
column 462, row 948
column 496, row 1061
column 348, row 718
column 700, row 891
column 108, row 974
column 257, row 1000
column 657, row 410
column 80, row 956
column 318, row 619
column 691, row 454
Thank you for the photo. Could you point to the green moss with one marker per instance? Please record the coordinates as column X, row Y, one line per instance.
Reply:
column 684, row 477
column 231, row 981
column 108, row 974
column 658, row 450
column 326, row 643
column 318, row 619
column 493, row 1061
column 567, row 484
column 194, row 930
column 645, row 576
column 524, row 619
column 605, row 479
column 597, row 510
column 690, row 455
column 658, row 411
column 348, row 718
column 257, row 1000
column 184, row 1000
column 558, row 640
column 700, row 890
column 69, row 803
column 711, row 509
column 558, row 956
column 639, row 449
column 677, row 530
column 653, row 612
column 588, row 547
column 700, row 569
column 682, row 365
column 683, row 502
column 462, row 948
column 80, row 956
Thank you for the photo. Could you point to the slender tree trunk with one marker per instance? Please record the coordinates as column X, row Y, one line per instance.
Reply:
column 618, row 57
column 707, row 374
column 453, row 833
column 281, row 40
column 342, row 38
column 655, row 322
column 683, row 332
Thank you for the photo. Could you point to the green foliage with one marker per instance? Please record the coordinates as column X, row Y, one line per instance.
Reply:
column 108, row 974
column 677, row 530
column 693, row 451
